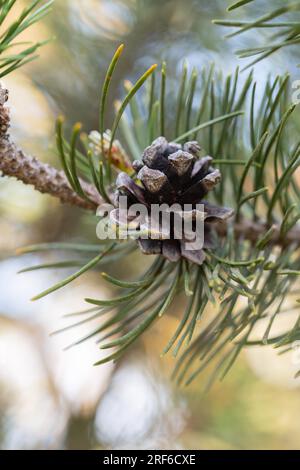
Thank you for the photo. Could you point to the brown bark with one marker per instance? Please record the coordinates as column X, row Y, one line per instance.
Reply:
column 43, row 177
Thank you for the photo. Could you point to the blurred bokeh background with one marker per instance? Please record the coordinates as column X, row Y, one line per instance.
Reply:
column 55, row 399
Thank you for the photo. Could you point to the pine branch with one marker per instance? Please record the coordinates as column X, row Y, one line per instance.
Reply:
column 253, row 231
column 48, row 180
column 43, row 177
column 257, row 163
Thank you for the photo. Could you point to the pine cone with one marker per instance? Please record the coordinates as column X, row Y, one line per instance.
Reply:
column 172, row 174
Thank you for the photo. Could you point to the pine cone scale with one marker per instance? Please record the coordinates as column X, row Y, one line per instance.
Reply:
column 169, row 173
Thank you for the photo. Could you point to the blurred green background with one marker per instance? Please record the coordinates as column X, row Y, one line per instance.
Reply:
column 55, row 399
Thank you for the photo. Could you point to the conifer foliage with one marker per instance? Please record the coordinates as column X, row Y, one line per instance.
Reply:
column 250, row 271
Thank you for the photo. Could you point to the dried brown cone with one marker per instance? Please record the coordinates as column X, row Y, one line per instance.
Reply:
column 173, row 174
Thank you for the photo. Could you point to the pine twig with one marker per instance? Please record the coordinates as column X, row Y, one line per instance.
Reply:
column 43, row 177
column 47, row 179
column 253, row 231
